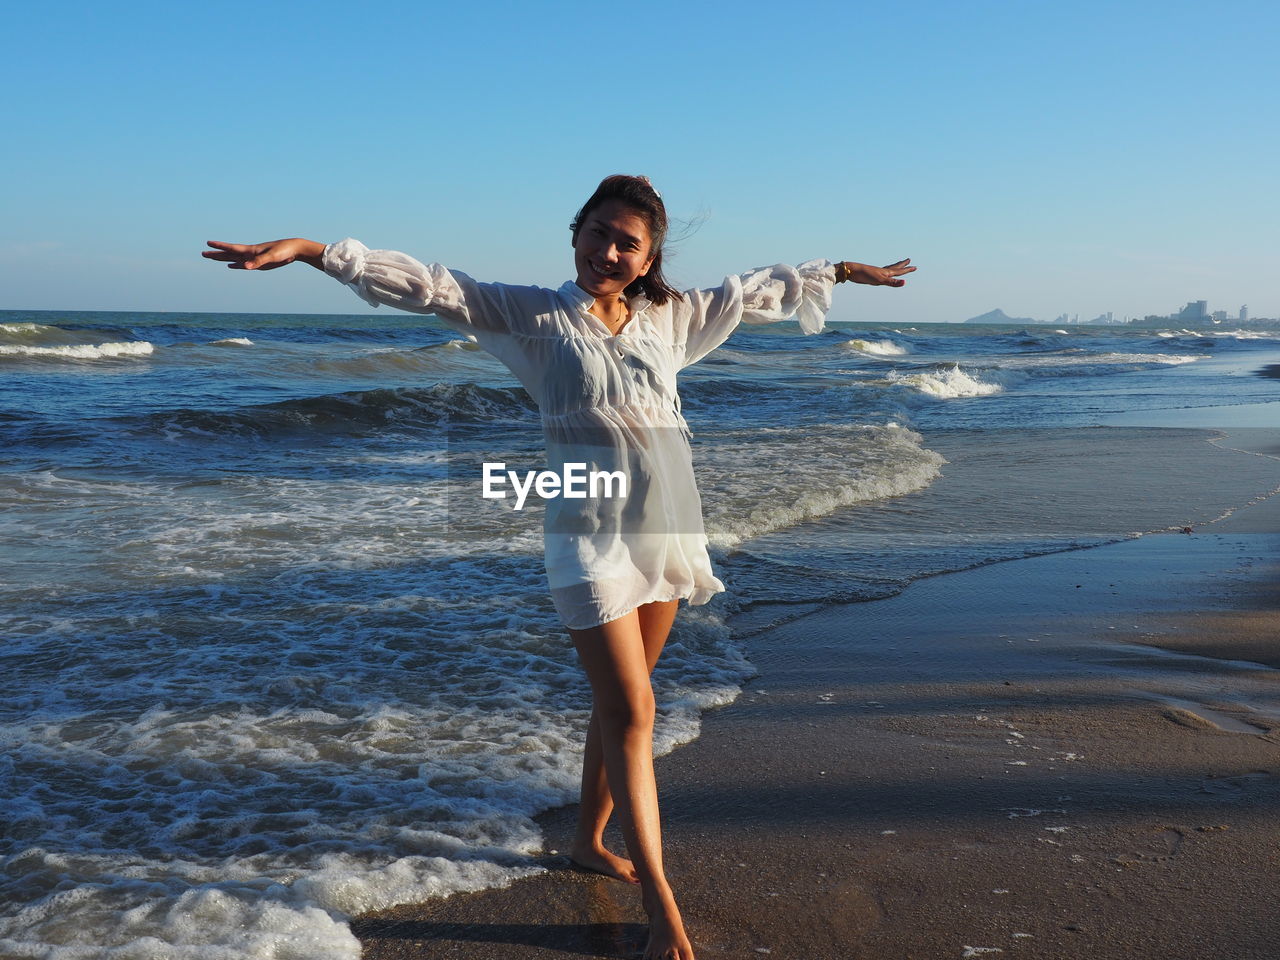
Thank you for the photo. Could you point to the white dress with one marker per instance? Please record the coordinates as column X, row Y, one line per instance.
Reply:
column 607, row 401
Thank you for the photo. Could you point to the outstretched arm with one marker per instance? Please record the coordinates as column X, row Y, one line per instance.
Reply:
column 705, row 318
column 266, row 256
column 484, row 313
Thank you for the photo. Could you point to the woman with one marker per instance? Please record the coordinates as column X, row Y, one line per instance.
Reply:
column 600, row 356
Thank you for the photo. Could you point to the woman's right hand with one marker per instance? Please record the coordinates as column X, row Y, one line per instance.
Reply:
column 266, row 256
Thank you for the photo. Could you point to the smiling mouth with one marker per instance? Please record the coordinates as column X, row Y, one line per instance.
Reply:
column 599, row 271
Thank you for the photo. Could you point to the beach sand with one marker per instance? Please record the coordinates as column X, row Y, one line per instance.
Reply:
column 1074, row 755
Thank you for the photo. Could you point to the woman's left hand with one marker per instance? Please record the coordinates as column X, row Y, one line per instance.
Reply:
column 876, row 276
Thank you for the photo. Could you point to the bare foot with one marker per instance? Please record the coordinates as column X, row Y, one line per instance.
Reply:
column 600, row 860
column 667, row 939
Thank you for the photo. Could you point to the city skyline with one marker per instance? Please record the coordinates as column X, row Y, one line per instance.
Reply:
column 1194, row 311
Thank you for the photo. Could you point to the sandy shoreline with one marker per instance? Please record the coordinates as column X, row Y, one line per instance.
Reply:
column 1063, row 756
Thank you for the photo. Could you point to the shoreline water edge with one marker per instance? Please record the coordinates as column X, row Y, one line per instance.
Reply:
column 273, row 695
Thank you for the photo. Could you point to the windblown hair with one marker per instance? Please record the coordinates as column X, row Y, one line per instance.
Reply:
column 638, row 194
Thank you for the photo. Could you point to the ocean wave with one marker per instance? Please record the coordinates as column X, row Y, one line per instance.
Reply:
column 232, row 342
column 31, row 332
column 814, row 472
column 24, row 329
column 40, row 341
column 945, row 382
column 357, row 412
column 86, row 351
column 876, row 348
column 36, row 334
column 713, row 392
column 727, row 357
column 800, row 399
column 1044, row 339
column 1215, row 334
column 1216, row 340
column 394, row 360
column 1082, row 363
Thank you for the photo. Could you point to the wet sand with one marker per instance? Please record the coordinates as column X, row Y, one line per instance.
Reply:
column 1075, row 755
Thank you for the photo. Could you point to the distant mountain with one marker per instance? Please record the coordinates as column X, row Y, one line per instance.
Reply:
column 999, row 316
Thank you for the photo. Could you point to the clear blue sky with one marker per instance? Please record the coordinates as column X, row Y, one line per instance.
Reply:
column 1036, row 157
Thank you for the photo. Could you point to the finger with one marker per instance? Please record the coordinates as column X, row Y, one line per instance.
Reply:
column 235, row 247
column 264, row 263
column 219, row 255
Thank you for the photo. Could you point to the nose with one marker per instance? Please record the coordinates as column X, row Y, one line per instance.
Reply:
column 611, row 253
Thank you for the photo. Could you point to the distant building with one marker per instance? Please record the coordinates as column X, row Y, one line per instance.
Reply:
column 1194, row 310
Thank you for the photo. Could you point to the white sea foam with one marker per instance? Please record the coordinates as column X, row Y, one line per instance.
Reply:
column 811, row 475
column 1215, row 333
column 24, row 329
column 315, row 707
column 1080, row 361
column 409, row 749
column 232, row 342
column 982, row 376
column 80, row 351
column 945, row 383
column 879, row 348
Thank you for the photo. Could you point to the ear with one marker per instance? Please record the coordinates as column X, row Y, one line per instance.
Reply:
column 647, row 264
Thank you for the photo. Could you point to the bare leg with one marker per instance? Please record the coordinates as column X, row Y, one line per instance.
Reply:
column 613, row 656
column 588, row 848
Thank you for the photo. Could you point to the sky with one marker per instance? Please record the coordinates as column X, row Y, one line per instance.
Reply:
column 1034, row 157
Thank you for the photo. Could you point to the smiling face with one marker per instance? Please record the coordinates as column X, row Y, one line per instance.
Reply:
column 612, row 250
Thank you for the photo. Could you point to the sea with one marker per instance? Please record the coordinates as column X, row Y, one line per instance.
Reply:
column 264, row 671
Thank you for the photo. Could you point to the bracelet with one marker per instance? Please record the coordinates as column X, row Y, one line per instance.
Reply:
column 842, row 272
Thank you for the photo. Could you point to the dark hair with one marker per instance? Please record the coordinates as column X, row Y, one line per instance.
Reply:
column 637, row 193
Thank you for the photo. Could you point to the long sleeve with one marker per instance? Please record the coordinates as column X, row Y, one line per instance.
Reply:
column 706, row 318
column 481, row 312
